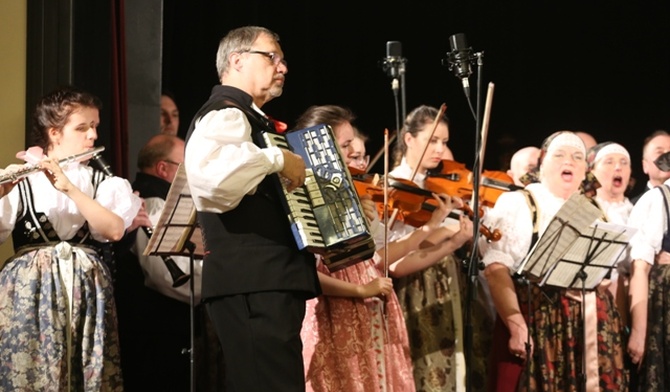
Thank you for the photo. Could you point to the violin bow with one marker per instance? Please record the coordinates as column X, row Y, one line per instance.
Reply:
column 383, row 150
column 386, row 194
column 440, row 113
column 484, row 130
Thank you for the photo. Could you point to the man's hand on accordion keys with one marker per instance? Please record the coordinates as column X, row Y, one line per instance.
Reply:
column 294, row 171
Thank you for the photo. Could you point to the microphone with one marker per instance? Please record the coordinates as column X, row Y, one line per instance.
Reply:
column 394, row 63
column 459, row 59
column 102, row 165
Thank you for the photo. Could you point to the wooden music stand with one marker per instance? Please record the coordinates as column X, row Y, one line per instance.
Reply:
column 177, row 234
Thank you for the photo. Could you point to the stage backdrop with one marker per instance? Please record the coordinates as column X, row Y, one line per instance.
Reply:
column 13, row 80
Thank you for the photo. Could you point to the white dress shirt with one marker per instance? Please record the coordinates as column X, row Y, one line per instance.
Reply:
column 648, row 216
column 222, row 162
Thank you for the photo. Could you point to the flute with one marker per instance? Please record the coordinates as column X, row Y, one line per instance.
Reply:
column 30, row 169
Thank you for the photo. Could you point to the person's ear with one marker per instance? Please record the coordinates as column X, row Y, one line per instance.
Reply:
column 235, row 61
column 55, row 136
column 645, row 166
column 161, row 169
column 407, row 137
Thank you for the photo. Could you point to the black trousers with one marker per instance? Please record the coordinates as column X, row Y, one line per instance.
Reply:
column 260, row 338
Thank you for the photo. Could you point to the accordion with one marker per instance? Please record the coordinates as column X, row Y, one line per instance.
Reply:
column 325, row 213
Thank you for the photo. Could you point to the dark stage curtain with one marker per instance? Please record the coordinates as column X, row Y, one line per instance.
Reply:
column 119, row 117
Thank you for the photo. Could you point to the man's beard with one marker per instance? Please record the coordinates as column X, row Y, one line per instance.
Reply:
column 276, row 91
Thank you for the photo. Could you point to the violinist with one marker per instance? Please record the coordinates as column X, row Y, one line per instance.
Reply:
column 431, row 296
column 359, row 159
column 352, row 303
column 345, row 327
column 447, row 154
column 555, row 354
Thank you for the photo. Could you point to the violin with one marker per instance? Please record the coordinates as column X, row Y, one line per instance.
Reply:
column 420, row 216
column 397, row 198
column 456, row 179
column 415, row 204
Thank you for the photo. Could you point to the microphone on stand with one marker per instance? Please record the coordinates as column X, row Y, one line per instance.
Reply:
column 178, row 276
column 460, row 60
column 394, row 64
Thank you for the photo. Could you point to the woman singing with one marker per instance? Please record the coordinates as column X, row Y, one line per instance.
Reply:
column 546, row 327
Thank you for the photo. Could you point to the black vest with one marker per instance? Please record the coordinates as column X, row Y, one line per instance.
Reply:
column 251, row 248
column 33, row 228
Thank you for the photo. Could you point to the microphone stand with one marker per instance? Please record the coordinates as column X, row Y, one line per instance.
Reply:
column 394, row 87
column 473, row 264
column 190, row 247
column 403, row 104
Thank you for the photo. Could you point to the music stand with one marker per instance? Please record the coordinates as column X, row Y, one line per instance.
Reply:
column 576, row 251
column 177, row 234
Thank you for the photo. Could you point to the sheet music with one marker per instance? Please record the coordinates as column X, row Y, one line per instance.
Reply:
column 601, row 248
column 574, row 217
column 577, row 240
column 177, row 223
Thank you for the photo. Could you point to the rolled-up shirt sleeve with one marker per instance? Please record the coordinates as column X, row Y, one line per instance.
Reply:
column 222, row 162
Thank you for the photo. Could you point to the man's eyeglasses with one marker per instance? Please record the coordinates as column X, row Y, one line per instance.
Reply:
column 171, row 162
column 274, row 57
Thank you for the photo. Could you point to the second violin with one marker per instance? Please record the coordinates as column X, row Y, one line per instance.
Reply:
column 415, row 205
column 455, row 179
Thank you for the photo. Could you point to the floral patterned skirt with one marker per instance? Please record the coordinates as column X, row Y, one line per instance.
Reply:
column 655, row 372
column 557, row 331
column 356, row 345
column 58, row 327
column 435, row 332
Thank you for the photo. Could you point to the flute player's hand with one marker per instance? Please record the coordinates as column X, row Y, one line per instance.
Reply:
column 8, row 186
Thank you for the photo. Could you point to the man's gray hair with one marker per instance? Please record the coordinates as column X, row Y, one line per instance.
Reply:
column 239, row 39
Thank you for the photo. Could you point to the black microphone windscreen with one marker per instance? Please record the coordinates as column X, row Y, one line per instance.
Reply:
column 393, row 49
column 458, row 42
column 102, row 164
